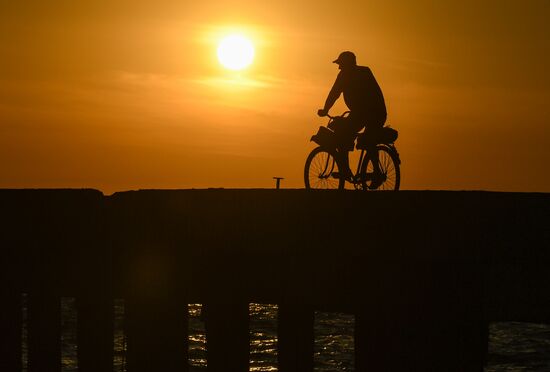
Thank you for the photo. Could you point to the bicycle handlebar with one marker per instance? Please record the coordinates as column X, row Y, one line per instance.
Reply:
column 338, row 116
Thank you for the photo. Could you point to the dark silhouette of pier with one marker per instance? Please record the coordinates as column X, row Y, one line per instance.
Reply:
column 424, row 278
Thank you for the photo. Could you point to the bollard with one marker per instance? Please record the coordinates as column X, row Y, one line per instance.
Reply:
column 278, row 182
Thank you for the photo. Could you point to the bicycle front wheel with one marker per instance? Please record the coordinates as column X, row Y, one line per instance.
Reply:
column 389, row 167
column 319, row 170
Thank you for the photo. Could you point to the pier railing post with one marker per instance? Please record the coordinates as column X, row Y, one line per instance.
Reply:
column 44, row 331
column 11, row 291
column 10, row 330
column 95, row 329
column 227, row 336
column 157, row 331
column 295, row 338
column 93, row 273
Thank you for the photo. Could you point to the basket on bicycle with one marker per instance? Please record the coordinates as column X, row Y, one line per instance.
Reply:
column 325, row 137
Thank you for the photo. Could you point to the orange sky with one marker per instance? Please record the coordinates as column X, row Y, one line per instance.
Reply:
column 120, row 95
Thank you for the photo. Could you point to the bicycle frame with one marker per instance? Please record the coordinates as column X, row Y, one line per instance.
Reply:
column 362, row 157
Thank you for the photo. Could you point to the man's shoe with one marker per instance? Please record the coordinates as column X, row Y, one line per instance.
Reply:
column 377, row 181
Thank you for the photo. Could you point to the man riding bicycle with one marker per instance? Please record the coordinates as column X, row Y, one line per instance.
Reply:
column 364, row 98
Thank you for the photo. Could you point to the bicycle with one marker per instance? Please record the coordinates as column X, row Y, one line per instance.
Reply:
column 321, row 170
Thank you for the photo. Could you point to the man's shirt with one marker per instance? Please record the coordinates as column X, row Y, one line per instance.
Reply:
column 362, row 93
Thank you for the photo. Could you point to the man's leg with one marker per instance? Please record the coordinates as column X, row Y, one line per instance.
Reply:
column 345, row 137
column 374, row 125
column 344, row 161
column 376, row 177
column 372, row 152
column 344, row 170
column 354, row 124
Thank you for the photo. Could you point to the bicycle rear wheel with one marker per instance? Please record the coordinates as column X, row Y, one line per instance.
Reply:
column 389, row 166
column 318, row 171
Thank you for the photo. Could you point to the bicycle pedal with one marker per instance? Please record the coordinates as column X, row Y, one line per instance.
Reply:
column 348, row 177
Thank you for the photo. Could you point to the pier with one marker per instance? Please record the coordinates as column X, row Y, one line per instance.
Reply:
column 424, row 273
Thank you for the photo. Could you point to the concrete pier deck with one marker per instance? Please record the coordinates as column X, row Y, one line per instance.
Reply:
column 424, row 272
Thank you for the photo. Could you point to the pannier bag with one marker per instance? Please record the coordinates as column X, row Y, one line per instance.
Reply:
column 385, row 135
column 388, row 135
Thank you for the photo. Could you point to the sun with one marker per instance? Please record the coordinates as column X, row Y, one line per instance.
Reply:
column 235, row 52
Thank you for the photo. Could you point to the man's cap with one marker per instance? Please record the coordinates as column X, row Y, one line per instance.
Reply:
column 345, row 57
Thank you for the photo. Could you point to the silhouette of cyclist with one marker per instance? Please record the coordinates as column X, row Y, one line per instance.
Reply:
column 365, row 100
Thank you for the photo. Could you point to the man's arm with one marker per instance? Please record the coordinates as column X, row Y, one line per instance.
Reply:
column 333, row 95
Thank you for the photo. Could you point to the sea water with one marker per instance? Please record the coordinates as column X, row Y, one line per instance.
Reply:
column 333, row 349
column 513, row 346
